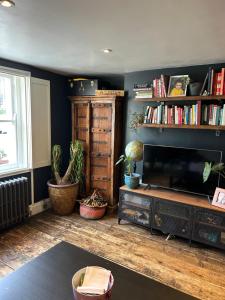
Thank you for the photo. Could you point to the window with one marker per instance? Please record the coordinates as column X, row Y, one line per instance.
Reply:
column 14, row 120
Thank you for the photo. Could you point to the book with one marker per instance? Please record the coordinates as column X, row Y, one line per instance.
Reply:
column 96, row 281
column 205, row 84
column 210, row 80
column 146, row 114
column 222, row 88
column 119, row 93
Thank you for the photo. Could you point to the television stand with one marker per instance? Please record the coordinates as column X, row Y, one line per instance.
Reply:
column 174, row 213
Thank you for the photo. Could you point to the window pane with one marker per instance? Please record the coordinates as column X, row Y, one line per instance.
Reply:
column 8, row 147
column 6, row 108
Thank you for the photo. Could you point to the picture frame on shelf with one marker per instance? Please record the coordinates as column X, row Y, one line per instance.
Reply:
column 178, row 85
column 219, row 198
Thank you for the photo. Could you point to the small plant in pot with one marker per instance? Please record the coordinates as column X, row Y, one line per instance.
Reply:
column 63, row 190
column 133, row 153
column 93, row 207
column 210, row 168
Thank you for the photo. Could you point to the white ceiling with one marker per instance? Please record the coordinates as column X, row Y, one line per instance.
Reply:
column 67, row 36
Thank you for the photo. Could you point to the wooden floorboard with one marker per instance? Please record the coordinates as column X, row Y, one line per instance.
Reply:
column 196, row 270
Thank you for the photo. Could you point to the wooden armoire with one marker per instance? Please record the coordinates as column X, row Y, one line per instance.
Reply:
column 97, row 123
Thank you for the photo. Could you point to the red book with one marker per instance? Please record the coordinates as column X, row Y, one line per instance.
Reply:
column 218, row 83
column 199, row 109
column 215, row 83
column 222, row 82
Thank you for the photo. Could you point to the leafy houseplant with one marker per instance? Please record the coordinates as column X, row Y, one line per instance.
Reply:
column 131, row 179
column 136, row 120
column 133, row 153
column 63, row 190
column 93, row 207
column 209, row 168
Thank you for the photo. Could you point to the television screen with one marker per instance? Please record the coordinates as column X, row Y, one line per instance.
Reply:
column 180, row 168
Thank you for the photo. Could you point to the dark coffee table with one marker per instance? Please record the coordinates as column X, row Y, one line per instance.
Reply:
column 49, row 277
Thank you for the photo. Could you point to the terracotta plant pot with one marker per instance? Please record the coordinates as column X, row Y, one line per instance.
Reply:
column 63, row 197
column 92, row 213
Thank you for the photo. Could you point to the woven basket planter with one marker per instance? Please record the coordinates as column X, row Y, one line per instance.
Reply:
column 63, row 197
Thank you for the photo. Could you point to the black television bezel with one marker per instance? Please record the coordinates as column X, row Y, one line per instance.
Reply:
column 177, row 147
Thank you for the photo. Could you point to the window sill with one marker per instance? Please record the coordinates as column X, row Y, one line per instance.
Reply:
column 13, row 172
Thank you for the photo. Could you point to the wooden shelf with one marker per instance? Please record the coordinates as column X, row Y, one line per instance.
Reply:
column 202, row 127
column 180, row 98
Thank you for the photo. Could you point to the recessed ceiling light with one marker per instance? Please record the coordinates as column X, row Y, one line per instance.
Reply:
column 107, row 50
column 7, row 3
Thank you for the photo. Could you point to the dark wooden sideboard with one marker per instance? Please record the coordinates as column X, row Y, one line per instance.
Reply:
column 176, row 213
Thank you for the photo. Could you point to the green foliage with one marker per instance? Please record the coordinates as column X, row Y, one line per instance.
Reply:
column 76, row 151
column 56, row 158
column 135, row 121
column 74, row 171
column 128, row 163
column 210, row 168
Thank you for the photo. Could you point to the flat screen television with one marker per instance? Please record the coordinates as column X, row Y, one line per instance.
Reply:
column 179, row 168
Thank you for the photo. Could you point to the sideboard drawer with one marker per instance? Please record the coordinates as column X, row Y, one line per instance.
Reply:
column 135, row 200
column 208, row 217
column 141, row 217
column 210, row 235
column 168, row 224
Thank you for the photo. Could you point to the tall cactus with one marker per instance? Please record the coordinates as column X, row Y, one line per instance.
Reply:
column 75, row 167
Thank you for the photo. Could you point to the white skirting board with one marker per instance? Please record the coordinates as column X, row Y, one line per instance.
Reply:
column 39, row 207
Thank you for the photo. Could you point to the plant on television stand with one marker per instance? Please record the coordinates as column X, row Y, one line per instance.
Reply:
column 128, row 163
column 209, row 168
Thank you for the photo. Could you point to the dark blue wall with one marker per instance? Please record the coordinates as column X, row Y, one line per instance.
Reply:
column 60, row 121
column 205, row 139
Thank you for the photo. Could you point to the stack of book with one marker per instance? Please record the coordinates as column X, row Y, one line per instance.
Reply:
column 174, row 115
column 95, row 281
column 143, row 92
column 213, row 114
column 214, row 83
column 160, row 86
column 119, row 93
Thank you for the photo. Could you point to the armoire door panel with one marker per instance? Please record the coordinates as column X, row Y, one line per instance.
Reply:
column 102, row 116
column 101, row 142
column 100, row 166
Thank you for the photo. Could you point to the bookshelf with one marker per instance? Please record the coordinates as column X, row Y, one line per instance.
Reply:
column 181, row 99
column 173, row 126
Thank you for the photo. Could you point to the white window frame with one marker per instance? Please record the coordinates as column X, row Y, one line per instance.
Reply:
column 27, row 103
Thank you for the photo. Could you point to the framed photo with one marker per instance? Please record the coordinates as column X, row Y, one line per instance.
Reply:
column 219, row 198
column 178, row 85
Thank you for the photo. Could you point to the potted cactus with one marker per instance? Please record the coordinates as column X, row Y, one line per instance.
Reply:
column 63, row 190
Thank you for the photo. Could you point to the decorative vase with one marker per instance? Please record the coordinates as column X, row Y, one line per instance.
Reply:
column 132, row 181
column 92, row 213
column 63, row 197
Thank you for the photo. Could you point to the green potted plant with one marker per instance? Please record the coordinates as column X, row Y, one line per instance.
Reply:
column 209, row 168
column 63, row 190
column 135, row 121
column 133, row 153
column 93, row 207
